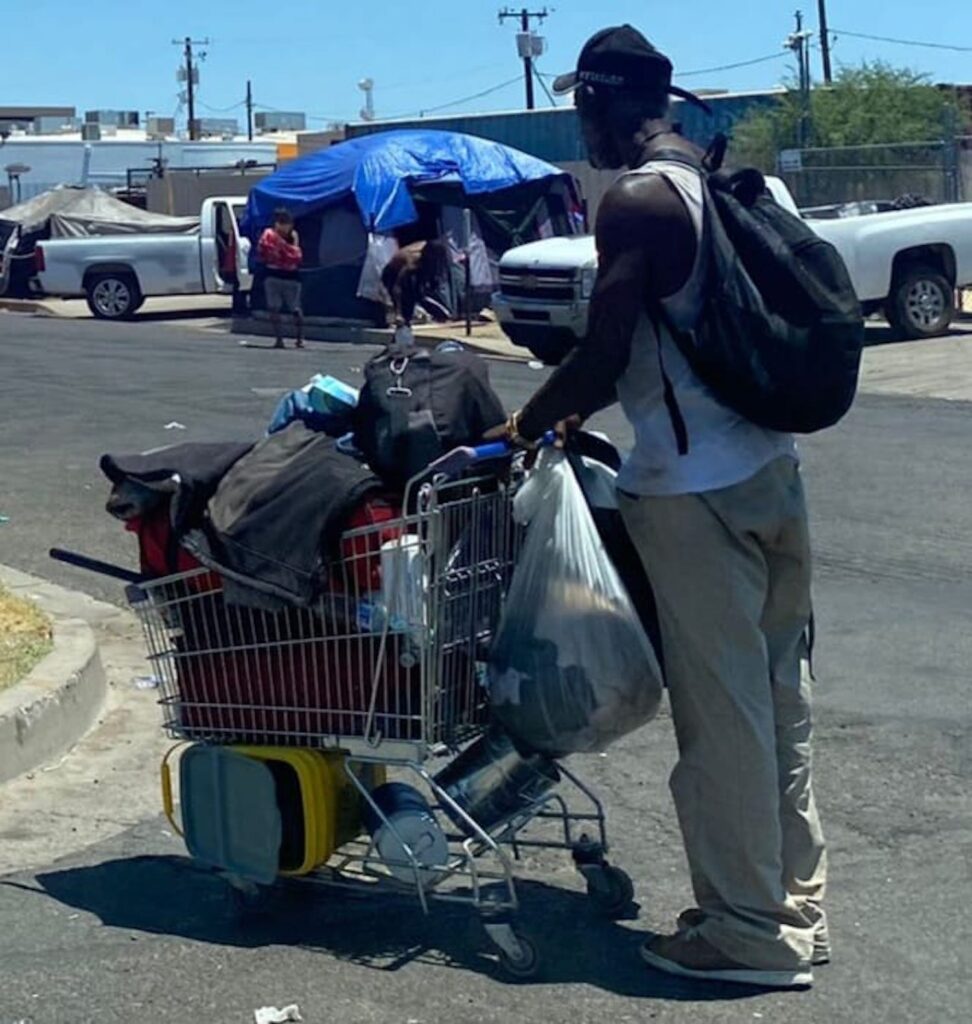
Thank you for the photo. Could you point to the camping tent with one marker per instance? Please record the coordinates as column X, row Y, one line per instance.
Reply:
column 402, row 186
column 70, row 211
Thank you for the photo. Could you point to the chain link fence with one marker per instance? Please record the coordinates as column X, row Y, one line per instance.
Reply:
column 937, row 172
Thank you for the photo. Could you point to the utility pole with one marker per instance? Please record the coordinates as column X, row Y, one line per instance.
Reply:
column 824, row 41
column 528, row 45
column 249, row 111
column 799, row 43
column 191, row 73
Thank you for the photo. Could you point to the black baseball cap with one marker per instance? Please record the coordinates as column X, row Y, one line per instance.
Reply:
column 621, row 58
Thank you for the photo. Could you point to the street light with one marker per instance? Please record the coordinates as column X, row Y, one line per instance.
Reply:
column 14, row 171
column 367, row 86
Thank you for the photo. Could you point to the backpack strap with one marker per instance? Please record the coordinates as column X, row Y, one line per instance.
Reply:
column 675, row 156
column 659, row 315
column 710, row 163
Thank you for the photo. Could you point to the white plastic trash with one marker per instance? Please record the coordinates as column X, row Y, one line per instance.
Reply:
column 404, row 583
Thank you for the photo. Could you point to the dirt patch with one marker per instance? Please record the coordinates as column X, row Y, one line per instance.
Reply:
column 25, row 637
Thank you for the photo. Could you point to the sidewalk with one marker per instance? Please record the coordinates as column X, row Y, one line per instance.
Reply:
column 931, row 368
column 164, row 307
column 107, row 781
column 487, row 338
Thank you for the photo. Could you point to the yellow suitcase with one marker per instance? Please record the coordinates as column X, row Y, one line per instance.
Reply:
column 320, row 805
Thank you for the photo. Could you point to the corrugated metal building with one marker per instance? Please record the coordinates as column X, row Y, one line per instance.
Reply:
column 554, row 133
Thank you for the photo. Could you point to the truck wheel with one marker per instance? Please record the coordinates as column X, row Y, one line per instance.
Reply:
column 922, row 304
column 113, row 296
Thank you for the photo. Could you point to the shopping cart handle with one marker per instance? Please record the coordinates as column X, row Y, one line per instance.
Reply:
column 457, row 461
column 80, row 561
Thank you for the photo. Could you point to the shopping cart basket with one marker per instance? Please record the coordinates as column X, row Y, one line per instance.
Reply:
column 394, row 680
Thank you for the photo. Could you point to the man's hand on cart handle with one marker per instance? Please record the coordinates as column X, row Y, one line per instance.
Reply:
column 510, row 433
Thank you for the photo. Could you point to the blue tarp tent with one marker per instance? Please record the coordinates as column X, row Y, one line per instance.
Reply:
column 404, row 186
column 378, row 172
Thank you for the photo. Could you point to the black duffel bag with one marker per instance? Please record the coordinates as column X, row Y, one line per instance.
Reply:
column 418, row 404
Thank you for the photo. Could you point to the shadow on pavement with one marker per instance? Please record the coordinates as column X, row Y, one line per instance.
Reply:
column 160, row 316
column 167, row 895
column 263, row 346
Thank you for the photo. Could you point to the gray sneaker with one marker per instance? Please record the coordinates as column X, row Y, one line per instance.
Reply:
column 689, row 955
column 693, row 917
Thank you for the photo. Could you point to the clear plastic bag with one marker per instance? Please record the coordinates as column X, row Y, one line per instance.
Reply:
column 571, row 667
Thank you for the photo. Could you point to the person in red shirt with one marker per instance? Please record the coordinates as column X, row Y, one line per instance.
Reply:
column 280, row 252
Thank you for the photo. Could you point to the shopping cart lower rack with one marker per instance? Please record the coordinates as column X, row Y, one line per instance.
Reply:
column 382, row 685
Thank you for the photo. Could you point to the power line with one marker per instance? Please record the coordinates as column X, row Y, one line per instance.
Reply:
column 222, row 110
column 436, row 79
column 902, row 42
column 543, row 85
column 464, row 99
column 709, row 71
column 731, row 67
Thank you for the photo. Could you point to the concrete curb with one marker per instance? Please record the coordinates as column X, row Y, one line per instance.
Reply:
column 49, row 711
column 32, row 306
column 319, row 330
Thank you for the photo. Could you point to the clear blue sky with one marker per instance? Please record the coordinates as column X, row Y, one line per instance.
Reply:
column 309, row 54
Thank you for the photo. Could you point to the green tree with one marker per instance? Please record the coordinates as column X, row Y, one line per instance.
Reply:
column 875, row 102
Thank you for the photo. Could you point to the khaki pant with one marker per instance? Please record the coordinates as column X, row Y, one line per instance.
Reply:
column 731, row 572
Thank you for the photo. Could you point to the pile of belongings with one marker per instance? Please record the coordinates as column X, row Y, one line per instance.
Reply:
column 268, row 516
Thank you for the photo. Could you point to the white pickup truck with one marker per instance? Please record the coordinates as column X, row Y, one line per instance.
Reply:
column 907, row 264
column 116, row 273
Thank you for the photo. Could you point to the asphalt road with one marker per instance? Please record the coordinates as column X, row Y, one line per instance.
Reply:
column 129, row 931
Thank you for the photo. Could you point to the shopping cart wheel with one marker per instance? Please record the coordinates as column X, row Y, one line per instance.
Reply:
column 609, row 888
column 517, row 955
column 525, row 963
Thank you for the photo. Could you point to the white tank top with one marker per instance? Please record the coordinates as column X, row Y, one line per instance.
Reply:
column 724, row 448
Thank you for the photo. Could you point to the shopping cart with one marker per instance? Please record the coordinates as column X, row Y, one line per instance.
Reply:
column 394, row 681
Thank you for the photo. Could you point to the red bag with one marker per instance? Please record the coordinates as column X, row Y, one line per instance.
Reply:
column 363, row 553
column 160, row 554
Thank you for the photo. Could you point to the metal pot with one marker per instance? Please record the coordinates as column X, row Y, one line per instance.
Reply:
column 491, row 780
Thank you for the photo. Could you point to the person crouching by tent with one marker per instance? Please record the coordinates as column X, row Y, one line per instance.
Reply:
column 280, row 252
column 413, row 277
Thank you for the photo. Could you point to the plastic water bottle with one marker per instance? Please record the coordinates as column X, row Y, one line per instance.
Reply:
column 371, row 616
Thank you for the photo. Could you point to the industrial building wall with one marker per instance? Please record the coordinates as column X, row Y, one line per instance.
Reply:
column 592, row 184
column 550, row 134
column 554, row 133
column 311, row 142
column 182, row 194
column 62, row 163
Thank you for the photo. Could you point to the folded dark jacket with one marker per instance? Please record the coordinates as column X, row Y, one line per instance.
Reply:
column 186, row 474
column 277, row 515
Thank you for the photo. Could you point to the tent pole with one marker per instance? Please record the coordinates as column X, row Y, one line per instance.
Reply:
column 467, row 226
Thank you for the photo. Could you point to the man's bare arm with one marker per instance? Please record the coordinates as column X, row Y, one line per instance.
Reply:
column 646, row 246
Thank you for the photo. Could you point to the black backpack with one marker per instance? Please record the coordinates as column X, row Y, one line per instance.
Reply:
column 780, row 334
column 418, row 404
